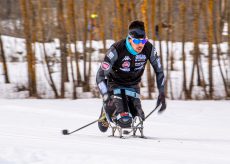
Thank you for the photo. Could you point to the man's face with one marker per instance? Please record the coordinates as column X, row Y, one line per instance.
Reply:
column 137, row 44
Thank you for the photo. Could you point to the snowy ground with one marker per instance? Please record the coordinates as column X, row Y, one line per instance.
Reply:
column 191, row 132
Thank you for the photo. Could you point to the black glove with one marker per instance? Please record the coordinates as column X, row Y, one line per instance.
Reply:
column 161, row 100
column 106, row 98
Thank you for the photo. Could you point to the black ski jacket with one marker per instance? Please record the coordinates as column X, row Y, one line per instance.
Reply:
column 122, row 69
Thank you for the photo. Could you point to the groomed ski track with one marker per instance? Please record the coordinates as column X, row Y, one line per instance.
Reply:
column 188, row 132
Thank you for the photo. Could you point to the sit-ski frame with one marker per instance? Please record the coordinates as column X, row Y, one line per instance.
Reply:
column 133, row 129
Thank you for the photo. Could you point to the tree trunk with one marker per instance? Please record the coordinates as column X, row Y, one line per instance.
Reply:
column 63, row 42
column 203, row 83
column 2, row 55
column 118, row 24
column 123, row 19
column 30, row 55
column 196, row 39
column 43, row 37
column 70, row 26
column 217, row 41
column 183, row 23
column 145, row 20
column 172, row 59
column 196, row 48
column 133, row 7
column 160, row 32
column 84, row 45
column 89, row 58
column 74, row 23
column 102, row 25
column 167, row 47
column 210, row 50
column 228, row 20
column 153, row 2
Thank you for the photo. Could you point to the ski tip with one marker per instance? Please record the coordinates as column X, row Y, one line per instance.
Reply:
column 65, row 132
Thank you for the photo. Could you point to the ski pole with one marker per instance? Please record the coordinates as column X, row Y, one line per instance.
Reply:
column 65, row 131
column 152, row 111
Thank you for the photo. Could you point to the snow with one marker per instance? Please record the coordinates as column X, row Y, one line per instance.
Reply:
column 191, row 132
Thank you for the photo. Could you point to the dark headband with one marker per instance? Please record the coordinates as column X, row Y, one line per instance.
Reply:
column 137, row 33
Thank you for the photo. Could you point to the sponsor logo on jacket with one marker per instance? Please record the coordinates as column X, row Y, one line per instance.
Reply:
column 125, row 66
column 105, row 66
column 138, row 64
column 126, row 58
column 140, row 57
column 110, row 55
column 138, row 68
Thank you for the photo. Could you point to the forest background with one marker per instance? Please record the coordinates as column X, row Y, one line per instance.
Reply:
column 191, row 36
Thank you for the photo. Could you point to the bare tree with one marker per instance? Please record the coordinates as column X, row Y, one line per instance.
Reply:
column 145, row 19
column 217, row 34
column 183, row 23
column 171, row 29
column 210, row 49
column 153, row 22
column 92, row 25
column 167, row 46
column 71, row 36
column 133, row 9
column 118, row 20
column 196, row 52
column 123, row 18
column 228, row 20
column 159, row 31
column 41, row 29
column 30, row 55
column 102, row 23
column 2, row 55
column 63, row 42
column 73, row 20
column 84, row 45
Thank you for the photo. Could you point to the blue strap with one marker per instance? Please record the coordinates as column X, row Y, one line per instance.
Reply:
column 116, row 91
column 127, row 93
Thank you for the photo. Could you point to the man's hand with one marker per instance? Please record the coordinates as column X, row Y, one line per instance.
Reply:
column 106, row 98
column 161, row 100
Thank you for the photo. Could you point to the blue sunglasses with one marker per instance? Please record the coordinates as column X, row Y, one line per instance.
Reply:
column 138, row 41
